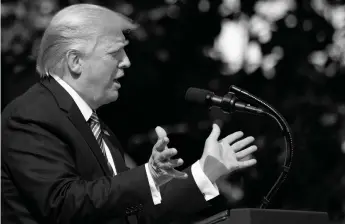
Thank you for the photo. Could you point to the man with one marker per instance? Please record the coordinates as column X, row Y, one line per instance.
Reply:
column 61, row 164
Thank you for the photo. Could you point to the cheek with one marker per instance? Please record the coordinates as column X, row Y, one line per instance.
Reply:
column 110, row 69
column 112, row 66
column 102, row 73
column 93, row 68
column 95, row 77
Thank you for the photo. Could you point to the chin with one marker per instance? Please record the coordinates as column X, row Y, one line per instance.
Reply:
column 110, row 95
column 114, row 97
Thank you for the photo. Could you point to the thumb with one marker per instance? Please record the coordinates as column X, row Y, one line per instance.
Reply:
column 161, row 133
column 215, row 132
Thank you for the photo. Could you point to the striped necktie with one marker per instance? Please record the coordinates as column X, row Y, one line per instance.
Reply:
column 98, row 133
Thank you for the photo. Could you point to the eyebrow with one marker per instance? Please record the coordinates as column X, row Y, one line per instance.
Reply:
column 118, row 46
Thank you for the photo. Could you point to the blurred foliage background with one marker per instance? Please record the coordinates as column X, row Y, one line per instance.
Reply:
column 289, row 53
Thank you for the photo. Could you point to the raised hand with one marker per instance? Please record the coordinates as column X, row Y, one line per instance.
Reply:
column 227, row 155
column 160, row 163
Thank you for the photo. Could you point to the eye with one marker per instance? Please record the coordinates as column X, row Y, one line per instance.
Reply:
column 114, row 54
column 117, row 54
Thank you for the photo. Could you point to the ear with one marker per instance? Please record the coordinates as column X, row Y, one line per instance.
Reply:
column 74, row 61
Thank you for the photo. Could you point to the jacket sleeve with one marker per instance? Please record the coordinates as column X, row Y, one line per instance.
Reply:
column 180, row 198
column 42, row 167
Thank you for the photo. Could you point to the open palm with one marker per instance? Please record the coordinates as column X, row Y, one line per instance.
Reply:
column 227, row 155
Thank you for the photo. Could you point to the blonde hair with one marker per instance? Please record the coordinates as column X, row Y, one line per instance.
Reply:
column 73, row 28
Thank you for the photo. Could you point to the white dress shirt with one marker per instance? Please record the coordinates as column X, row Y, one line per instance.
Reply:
column 207, row 188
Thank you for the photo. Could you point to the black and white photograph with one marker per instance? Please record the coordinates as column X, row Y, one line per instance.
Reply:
column 173, row 112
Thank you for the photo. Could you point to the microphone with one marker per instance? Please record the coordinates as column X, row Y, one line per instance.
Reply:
column 229, row 102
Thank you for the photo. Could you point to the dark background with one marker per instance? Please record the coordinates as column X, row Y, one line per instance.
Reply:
column 168, row 56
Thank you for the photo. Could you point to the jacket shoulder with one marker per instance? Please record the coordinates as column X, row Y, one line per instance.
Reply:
column 36, row 103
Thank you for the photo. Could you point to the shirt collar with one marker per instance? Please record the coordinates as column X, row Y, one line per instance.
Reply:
column 82, row 105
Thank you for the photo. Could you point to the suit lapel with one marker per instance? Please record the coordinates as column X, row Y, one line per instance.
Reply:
column 79, row 122
column 114, row 147
column 66, row 103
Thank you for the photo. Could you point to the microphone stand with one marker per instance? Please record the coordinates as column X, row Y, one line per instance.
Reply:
column 284, row 127
column 271, row 112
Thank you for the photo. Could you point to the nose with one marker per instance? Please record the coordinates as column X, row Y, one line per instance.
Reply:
column 125, row 62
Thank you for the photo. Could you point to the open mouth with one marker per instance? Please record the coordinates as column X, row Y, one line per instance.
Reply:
column 117, row 82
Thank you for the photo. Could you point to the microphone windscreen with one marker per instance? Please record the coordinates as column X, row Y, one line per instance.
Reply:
column 197, row 95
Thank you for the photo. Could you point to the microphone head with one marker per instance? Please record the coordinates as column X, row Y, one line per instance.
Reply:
column 197, row 95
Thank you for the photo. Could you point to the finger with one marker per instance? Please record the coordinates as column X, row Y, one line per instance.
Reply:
column 177, row 174
column 161, row 144
column 232, row 137
column 245, row 152
column 215, row 132
column 247, row 163
column 161, row 133
column 167, row 153
column 171, row 164
column 242, row 143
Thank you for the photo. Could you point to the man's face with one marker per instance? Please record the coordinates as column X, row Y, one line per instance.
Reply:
column 102, row 67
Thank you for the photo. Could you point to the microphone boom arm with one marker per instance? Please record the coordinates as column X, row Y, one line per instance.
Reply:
column 271, row 112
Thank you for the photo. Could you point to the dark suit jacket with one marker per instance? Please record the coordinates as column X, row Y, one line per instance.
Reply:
column 53, row 170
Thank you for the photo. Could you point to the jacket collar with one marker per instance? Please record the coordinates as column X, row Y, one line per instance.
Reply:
column 67, row 104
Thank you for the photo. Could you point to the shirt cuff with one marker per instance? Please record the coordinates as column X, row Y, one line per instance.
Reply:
column 156, row 195
column 207, row 188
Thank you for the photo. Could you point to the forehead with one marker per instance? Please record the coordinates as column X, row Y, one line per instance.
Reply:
column 112, row 40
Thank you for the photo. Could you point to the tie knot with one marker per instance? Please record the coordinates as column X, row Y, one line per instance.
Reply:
column 94, row 117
